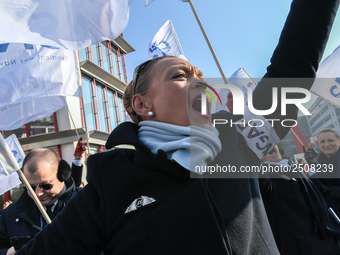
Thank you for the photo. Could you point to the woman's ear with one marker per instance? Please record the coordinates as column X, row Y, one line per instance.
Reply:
column 141, row 106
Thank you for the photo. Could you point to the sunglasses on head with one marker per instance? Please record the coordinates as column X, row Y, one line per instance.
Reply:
column 43, row 186
column 136, row 73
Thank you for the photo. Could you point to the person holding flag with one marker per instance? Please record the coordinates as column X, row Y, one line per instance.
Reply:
column 150, row 200
column 77, row 165
column 51, row 180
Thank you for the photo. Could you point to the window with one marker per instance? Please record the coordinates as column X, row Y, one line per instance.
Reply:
column 106, row 57
column 19, row 133
column 89, row 104
column 95, row 54
column 101, row 109
column 121, row 109
column 115, row 62
column 41, row 126
column 337, row 111
column 122, row 67
column 83, row 54
column 104, row 108
column 112, row 108
column 317, row 116
column 321, row 123
column 94, row 148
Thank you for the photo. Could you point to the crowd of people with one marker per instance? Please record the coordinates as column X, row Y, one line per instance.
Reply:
column 297, row 205
column 150, row 199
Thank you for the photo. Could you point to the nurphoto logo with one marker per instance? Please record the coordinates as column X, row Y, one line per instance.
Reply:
column 238, row 100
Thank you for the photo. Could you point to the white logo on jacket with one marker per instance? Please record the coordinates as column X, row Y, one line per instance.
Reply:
column 139, row 203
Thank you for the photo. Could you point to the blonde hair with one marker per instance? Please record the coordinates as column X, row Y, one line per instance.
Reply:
column 330, row 130
column 141, row 87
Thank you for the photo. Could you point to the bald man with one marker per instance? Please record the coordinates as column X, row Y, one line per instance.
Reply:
column 51, row 180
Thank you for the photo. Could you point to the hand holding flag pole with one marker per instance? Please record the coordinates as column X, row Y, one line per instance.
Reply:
column 208, row 41
column 11, row 166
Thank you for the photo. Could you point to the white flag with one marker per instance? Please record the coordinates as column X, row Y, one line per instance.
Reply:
column 165, row 42
column 66, row 24
column 9, row 181
column 32, row 80
column 241, row 79
column 327, row 83
column 15, row 147
column 330, row 67
column 6, row 157
column 16, row 115
column 147, row 2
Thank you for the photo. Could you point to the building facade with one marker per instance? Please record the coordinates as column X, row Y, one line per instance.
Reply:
column 324, row 115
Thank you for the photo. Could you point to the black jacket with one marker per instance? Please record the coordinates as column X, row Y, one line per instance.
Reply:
column 298, row 215
column 329, row 182
column 139, row 203
column 77, row 173
column 184, row 215
column 22, row 218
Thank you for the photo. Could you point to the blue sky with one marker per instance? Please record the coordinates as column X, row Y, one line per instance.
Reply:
column 242, row 33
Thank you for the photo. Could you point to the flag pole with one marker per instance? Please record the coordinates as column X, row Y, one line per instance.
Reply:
column 207, row 39
column 87, row 135
column 291, row 130
column 176, row 37
column 74, row 124
column 244, row 70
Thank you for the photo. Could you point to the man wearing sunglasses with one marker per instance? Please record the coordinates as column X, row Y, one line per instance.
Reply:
column 51, row 180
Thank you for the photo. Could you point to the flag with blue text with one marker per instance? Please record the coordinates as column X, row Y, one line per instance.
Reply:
column 34, row 81
column 65, row 24
column 327, row 82
column 165, row 42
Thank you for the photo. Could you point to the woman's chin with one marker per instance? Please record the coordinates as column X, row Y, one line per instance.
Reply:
column 200, row 120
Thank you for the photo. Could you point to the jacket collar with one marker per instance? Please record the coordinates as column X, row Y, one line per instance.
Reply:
column 29, row 211
column 70, row 190
column 127, row 133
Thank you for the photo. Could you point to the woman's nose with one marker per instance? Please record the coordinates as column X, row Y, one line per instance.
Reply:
column 198, row 83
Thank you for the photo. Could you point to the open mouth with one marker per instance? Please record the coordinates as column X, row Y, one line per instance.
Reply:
column 197, row 104
column 199, row 107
